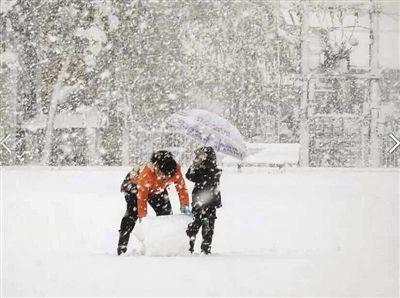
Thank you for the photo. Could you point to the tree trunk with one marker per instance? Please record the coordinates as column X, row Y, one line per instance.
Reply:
column 374, row 89
column 125, row 133
column 303, row 117
column 55, row 97
column 91, row 133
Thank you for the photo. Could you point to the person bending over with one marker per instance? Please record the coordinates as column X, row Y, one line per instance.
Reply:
column 148, row 184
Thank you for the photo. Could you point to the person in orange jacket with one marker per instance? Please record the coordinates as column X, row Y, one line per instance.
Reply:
column 149, row 185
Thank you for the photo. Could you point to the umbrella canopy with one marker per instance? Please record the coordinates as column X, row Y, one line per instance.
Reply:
column 211, row 130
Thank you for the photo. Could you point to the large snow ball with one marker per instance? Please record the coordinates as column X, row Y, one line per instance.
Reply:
column 164, row 235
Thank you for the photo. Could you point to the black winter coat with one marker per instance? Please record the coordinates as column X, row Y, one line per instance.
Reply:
column 206, row 192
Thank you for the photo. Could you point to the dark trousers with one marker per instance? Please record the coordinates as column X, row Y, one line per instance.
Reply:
column 159, row 202
column 204, row 219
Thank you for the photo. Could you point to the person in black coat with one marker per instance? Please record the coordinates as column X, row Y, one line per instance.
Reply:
column 206, row 196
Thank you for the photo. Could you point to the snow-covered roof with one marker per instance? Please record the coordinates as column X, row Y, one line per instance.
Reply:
column 268, row 153
column 9, row 57
column 83, row 117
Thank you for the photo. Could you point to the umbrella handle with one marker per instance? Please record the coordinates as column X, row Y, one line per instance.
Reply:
column 187, row 142
column 178, row 158
column 208, row 139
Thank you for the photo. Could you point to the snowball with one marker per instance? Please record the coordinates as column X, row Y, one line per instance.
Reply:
column 164, row 235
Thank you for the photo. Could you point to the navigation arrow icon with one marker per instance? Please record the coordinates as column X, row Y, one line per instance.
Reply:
column 395, row 145
column 3, row 143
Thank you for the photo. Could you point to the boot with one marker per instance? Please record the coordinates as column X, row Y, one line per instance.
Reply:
column 205, row 248
column 127, row 225
column 205, row 251
column 191, row 244
column 121, row 249
column 123, row 242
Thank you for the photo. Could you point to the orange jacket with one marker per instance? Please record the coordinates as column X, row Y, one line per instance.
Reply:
column 148, row 183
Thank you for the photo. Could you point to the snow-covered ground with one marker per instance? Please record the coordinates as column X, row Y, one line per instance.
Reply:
column 312, row 232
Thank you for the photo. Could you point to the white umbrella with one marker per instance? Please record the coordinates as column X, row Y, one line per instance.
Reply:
column 211, row 130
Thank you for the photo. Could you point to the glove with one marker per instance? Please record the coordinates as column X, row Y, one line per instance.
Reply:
column 185, row 209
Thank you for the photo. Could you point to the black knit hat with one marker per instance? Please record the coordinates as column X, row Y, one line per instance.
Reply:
column 165, row 161
column 210, row 153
